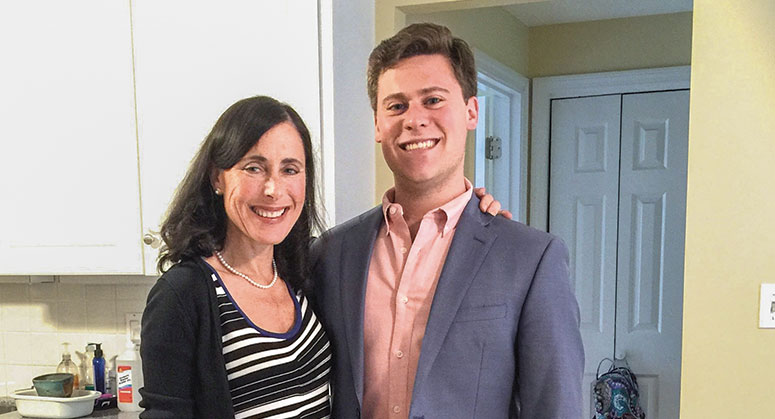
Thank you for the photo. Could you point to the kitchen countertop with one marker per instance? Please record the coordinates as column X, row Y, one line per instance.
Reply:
column 107, row 413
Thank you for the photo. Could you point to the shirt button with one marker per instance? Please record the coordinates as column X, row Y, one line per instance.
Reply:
column 396, row 409
column 404, row 299
column 392, row 210
column 403, row 250
column 399, row 354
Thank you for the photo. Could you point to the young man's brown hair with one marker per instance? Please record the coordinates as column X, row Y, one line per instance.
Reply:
column 423, row 39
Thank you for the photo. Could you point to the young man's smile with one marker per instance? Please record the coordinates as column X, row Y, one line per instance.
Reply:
column 422, row 120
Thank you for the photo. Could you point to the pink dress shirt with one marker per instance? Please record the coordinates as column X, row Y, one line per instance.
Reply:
column 399, row 292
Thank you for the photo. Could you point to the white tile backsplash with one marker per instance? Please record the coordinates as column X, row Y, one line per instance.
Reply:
column 71, row 317
column 15, row 316
column 42, row 316
column 3, row 380
column 35, row 319
column 101, row 293
column 101, row 317
column 43, row 292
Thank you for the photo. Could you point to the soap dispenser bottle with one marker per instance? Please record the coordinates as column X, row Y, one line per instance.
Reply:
column 99, row 369
column 68, row 366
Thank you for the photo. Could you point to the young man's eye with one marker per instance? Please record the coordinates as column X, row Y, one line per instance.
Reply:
column 433, row 100
column 291, row 170
column 396, row 107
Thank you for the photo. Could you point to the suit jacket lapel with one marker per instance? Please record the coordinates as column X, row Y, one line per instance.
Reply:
column 470, row 245
column 355, row 257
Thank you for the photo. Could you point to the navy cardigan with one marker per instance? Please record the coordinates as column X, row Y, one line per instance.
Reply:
column 183, row 365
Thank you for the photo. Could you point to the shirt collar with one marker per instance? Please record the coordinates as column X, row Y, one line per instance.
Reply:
column 449, row 213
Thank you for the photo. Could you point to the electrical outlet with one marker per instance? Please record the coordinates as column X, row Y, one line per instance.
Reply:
column 767, row 307
column 133, row 325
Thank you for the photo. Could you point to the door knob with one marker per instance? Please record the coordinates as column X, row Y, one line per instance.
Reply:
column 152, row 239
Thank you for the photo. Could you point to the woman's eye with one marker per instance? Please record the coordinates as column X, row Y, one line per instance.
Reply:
column 252, row 169
column 291, row 171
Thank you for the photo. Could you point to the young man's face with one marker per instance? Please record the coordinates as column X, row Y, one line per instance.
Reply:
column 422, row 120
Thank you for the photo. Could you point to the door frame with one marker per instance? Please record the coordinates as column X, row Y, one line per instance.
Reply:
column 562, row 87
column 494, row 73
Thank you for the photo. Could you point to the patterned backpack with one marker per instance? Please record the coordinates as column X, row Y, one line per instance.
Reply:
column 616, row 393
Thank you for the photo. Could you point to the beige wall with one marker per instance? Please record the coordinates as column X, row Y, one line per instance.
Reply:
column 610, row 45
column 491, row 30
column 728, row 362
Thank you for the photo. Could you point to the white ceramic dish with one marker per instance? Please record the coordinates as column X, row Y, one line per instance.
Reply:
column 29, row 404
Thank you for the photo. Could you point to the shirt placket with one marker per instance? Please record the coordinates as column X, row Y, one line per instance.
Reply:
column 406, row 311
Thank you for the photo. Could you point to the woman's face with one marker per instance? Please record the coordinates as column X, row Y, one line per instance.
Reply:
column 263, row 193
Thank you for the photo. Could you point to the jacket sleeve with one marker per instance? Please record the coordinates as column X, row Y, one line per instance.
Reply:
column 167, row 350
column 549, row 348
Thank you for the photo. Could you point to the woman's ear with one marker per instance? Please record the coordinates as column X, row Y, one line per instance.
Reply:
column 215, row 180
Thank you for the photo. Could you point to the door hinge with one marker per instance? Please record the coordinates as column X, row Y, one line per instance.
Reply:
column 492, row 147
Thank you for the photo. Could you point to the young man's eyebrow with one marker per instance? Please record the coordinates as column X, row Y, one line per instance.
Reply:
column 422, row 92
column 433, row 89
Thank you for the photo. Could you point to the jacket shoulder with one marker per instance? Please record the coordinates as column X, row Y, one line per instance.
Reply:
column 342, row 229
column 518, row 230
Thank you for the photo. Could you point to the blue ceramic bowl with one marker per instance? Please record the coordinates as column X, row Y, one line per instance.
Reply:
column 54, row 385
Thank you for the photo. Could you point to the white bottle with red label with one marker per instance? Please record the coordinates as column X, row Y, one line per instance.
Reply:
column 129, row 378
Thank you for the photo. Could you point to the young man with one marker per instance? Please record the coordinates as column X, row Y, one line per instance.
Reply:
column 436, row 309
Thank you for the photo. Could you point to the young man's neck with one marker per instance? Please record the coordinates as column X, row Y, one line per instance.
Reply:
column 417, row 199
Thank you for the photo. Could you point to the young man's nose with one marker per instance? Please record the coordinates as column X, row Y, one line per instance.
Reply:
column 415, row 117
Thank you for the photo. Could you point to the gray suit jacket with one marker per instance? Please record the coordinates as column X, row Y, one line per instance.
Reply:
column 502, row 339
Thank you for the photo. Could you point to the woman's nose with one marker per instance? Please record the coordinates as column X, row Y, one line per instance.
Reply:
column 269, row 187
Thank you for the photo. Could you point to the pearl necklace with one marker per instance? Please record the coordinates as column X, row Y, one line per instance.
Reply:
column 238, row 273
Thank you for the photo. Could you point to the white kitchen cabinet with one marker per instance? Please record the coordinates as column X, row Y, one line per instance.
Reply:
column 86, row 171
column 194, row 59
column 68, row 165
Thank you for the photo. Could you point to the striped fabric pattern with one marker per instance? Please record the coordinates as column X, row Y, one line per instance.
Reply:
column 273, row 375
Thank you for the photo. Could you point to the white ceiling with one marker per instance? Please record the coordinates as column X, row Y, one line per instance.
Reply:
column 563, row 11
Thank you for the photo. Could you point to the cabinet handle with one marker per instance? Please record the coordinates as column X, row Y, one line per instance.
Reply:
column 152, row 240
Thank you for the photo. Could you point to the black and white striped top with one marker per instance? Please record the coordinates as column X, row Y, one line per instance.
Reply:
column 275, row 375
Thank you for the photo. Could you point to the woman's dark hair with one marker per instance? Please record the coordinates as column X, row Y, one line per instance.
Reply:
column 195, row 225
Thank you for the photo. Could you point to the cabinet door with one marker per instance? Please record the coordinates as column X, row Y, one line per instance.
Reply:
column 194, row 59
column 68, row 166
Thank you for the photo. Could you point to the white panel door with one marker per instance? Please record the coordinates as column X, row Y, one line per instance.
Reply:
column 583, row 201
column 194, row 59
column 68, row 165
column 620, row 206
column 652, row 218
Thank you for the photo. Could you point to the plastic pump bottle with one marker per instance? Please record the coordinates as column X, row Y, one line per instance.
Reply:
column 88, row 367
column 129, row 380
column 99, row 369
column 68, row 366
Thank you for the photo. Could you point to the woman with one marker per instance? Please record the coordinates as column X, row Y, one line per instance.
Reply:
column 227, row 331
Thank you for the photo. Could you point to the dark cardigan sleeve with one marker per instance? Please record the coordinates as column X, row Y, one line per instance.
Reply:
column 168, row 348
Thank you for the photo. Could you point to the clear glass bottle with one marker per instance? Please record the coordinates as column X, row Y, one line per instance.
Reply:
column 68, row 366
